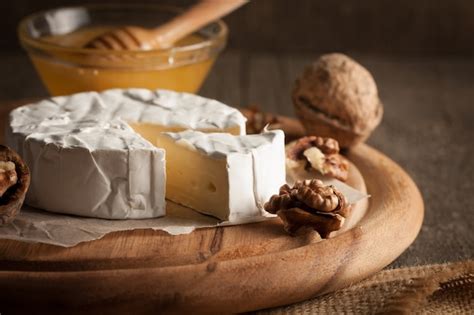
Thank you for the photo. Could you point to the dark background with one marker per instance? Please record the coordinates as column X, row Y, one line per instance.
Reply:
column 375, row 26
column 420, row 53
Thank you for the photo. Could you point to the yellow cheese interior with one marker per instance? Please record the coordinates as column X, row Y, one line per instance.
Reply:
column 192, row 179
column 151, row 131
column 195, row 180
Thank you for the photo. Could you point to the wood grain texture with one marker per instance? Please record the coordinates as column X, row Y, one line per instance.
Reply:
column 427, row 128
column 148, row 248
column 231, row 269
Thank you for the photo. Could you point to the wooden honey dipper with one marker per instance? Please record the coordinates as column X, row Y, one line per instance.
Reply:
column 166, row 35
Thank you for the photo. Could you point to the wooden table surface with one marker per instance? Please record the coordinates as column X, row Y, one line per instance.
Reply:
column 428, row 127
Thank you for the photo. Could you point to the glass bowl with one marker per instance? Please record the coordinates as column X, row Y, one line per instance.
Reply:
column 54, row 40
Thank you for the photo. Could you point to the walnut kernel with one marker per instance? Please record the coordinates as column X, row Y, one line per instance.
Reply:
column 8, row 176
column 14, row 183
column 310, row 204
column 258, row 120
column 317, row 153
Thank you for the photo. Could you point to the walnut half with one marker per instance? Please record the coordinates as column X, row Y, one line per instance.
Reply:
column 258, row 120
column 14, row 183
column 310, row 204
column 319, row 154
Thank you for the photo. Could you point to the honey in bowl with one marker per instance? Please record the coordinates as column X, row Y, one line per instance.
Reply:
column 66, row 67
column 61, row 77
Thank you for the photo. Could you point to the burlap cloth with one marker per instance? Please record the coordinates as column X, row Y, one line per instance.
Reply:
column 430, row 289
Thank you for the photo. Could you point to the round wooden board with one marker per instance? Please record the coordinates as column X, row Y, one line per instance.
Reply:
column 225, row 269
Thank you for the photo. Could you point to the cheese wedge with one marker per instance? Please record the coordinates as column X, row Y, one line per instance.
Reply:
column 229, row 177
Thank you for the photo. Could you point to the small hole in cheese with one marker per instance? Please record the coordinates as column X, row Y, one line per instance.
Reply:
column 211, row 187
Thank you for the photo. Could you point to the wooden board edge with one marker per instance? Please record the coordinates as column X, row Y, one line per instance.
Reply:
column 389, row 227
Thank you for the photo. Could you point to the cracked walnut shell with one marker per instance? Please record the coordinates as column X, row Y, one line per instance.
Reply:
column 337, row 97
column 14, row 183
column 310, row 204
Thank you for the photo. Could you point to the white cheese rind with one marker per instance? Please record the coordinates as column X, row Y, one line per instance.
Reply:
column 103, row 171
column 163, row 107
column 255, row 166
column 85, row 160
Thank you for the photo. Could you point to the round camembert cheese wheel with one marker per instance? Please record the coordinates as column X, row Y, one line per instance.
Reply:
column 94, row 154
column 108, row 155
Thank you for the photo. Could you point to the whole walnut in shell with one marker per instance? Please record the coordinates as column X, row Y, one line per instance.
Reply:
column 337, row 97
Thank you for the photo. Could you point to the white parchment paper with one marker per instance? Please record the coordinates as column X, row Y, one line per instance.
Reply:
column 39, row 226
